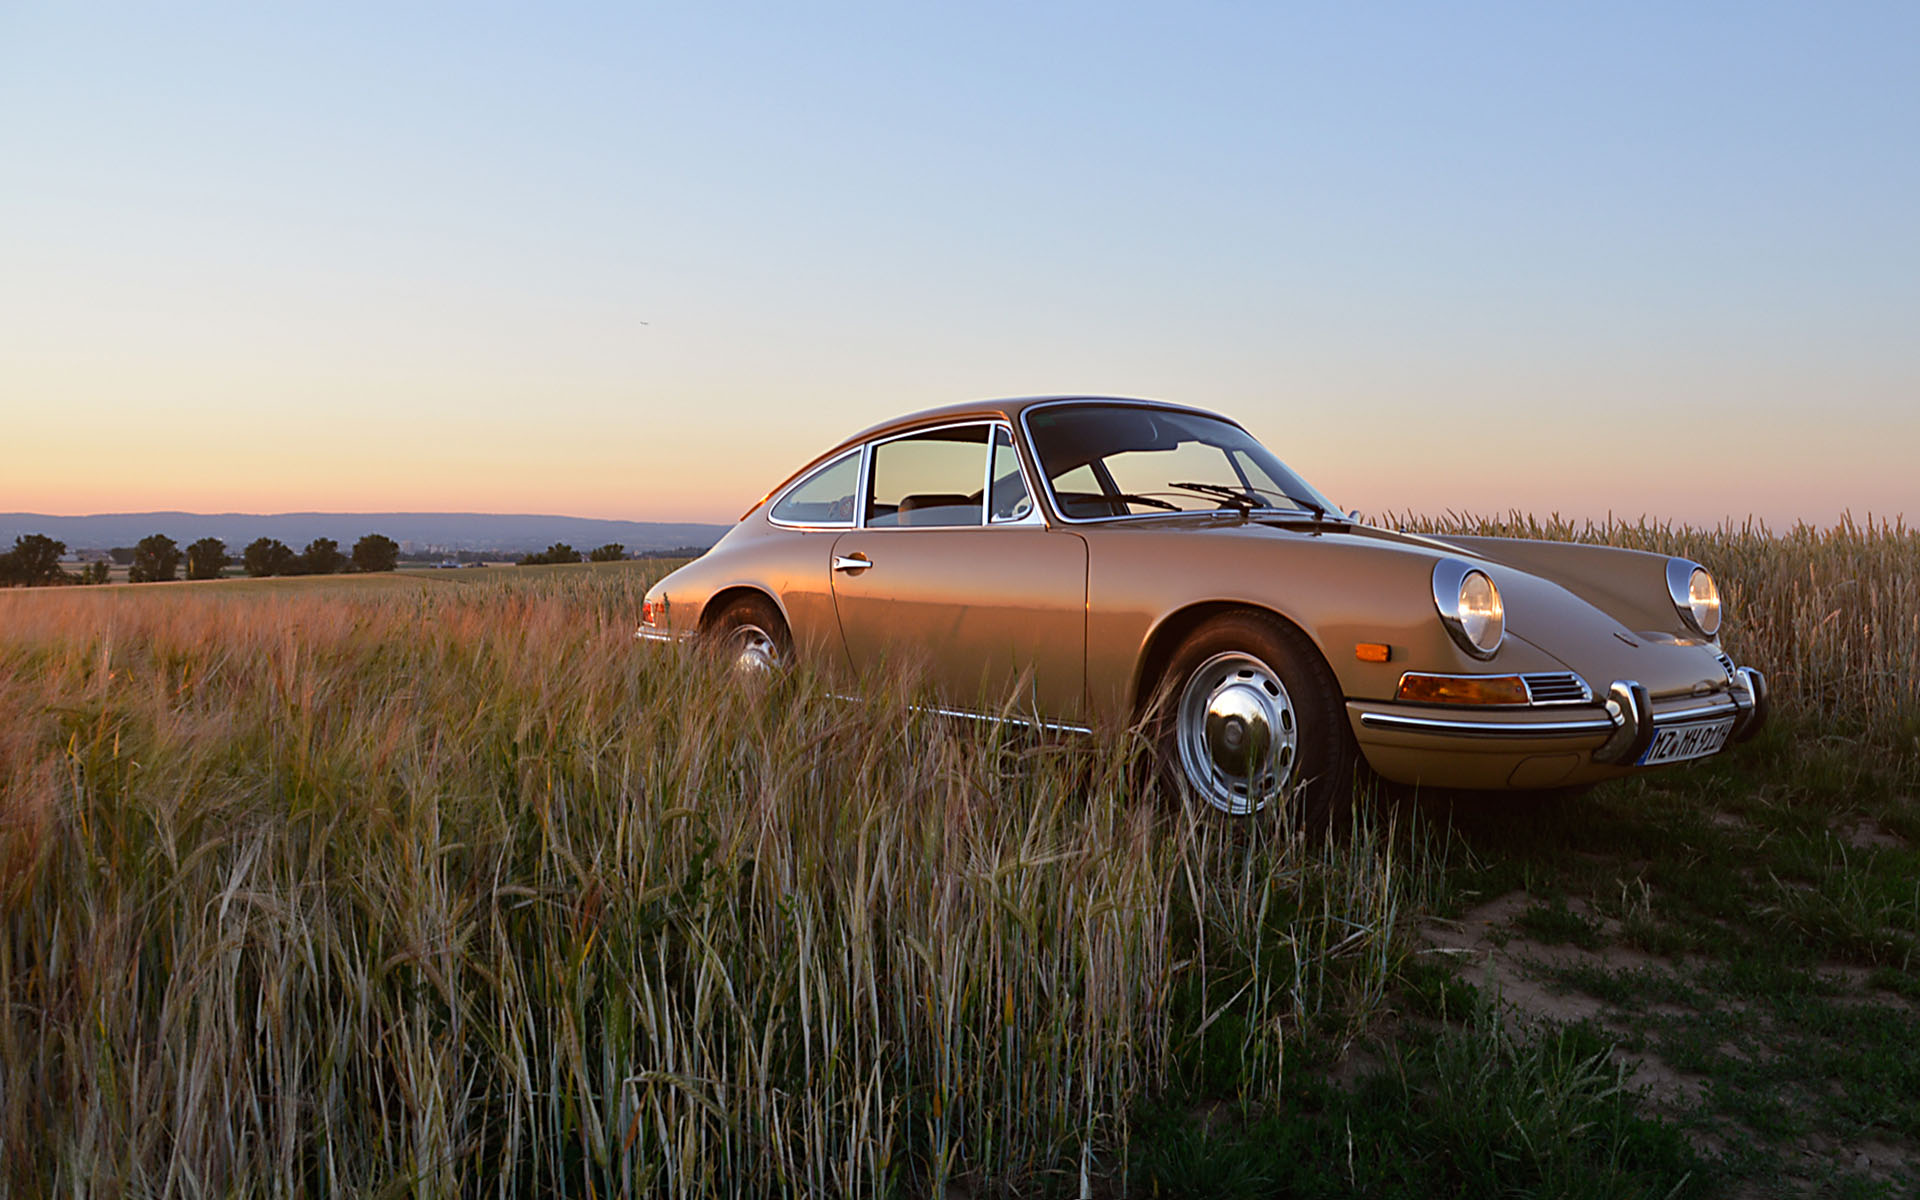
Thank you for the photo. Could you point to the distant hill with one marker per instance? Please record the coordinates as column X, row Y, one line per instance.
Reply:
column 507, row 533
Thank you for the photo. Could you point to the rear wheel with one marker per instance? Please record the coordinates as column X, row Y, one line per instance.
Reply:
column 752, row 637
column 1250, row 716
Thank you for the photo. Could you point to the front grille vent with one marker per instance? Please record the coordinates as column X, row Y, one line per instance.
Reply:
column 1557, row 687
column 1726, row 664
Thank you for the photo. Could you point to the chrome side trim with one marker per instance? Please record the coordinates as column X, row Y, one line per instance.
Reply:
column 1028, row 722
column 645, row 634
column 968, row 715
column 1458, row 727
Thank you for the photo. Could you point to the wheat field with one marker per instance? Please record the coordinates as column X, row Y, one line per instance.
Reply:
column 448, row 887
column 456, row 890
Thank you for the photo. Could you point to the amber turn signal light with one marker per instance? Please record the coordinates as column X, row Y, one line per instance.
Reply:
column 1372, row 652
column 1461, row 689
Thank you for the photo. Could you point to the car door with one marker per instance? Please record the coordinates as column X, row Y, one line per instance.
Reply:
column 952, row 567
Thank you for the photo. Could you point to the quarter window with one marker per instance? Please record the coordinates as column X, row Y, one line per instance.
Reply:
column 1009, row 490
column 824, row 497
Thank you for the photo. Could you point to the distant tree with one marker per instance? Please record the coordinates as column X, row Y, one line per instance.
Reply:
column 33, row 562
column 323, row 557
column 559, row 552
column 268, row 556
column 207, row 558
column 611, row 552
column 155, row 560
column 376, row 552
column 121, row 555
column 96, row 572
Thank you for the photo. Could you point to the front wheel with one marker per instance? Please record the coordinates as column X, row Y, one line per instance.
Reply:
column 1251, row 715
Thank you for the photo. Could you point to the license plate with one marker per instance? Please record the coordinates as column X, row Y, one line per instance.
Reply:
column 1677, row 743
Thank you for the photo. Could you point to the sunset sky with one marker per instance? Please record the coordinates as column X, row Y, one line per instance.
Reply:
column 640, row 261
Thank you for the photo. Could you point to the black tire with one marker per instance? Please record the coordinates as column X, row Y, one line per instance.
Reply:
column 752, row 636
column 1248, row 713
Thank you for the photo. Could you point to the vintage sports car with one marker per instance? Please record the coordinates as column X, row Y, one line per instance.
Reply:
column 1079, row 561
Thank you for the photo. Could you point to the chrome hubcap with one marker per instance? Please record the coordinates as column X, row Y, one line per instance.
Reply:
column 1236, row 732
column 751, row 651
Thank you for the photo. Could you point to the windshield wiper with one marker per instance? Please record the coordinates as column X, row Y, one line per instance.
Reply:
column 1244, row 499
column 1137, row 498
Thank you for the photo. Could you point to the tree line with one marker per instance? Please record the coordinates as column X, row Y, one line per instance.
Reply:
column 34, row 560
column 560, row 552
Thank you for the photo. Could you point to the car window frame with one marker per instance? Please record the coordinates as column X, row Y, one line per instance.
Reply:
column 1034, row 516
column 860, row 481
column 1053, row 502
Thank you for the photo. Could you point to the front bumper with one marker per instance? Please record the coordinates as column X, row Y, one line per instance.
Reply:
column 1535, row 747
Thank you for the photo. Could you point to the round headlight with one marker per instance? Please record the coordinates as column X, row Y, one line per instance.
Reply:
column 1696, row 597
column 1470, row 607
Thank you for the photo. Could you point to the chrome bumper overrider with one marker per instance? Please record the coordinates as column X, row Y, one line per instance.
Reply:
column 1627, row 719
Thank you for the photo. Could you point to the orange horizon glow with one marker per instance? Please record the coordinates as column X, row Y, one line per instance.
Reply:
column 556, row 487
column 624, row 462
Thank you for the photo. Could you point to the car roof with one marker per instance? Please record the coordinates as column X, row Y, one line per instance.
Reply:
column 1008, row 409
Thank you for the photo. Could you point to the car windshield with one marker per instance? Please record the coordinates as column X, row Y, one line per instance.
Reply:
column 1117, row 460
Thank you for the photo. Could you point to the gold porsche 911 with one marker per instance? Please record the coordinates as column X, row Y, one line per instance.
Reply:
column 1080, row 561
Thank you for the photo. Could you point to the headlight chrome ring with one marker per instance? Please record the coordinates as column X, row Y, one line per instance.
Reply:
column 1470, row 607
column 1695, row 596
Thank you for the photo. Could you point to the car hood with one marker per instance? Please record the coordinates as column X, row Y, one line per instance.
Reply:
column 1581, row 628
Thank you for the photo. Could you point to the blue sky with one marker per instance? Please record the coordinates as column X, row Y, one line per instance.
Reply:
column 640, row 261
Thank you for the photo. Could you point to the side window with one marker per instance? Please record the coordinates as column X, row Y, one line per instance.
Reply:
column 1010, row 501
column 932, row 478
column 824, row 497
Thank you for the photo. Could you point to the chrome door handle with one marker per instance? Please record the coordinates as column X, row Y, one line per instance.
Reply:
column 855, row 562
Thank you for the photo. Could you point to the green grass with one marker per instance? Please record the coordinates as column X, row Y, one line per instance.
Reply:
column 1478, row 1109
column 1783, row 913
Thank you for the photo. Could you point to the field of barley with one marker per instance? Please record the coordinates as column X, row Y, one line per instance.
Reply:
column 444, row 886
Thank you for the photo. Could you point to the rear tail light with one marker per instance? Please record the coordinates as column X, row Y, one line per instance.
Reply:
column 649, row 612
